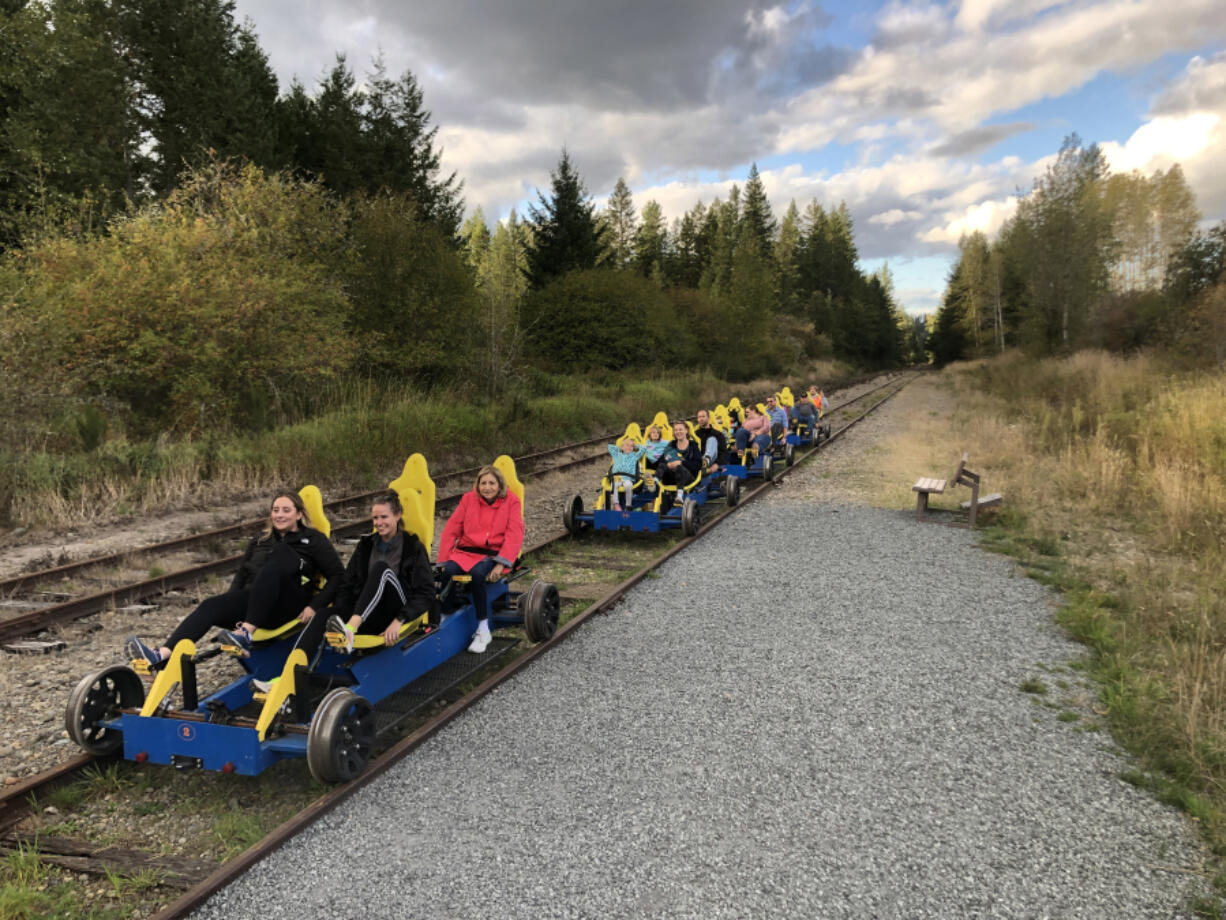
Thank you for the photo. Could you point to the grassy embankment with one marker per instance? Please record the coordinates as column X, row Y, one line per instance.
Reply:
column 359, row 441
column 1114, row 477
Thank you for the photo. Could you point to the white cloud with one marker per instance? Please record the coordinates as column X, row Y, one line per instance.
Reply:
column 987, row 217
column 1165, row 140
column 894, row 216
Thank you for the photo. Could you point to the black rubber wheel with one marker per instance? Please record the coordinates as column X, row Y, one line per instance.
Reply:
column 789, row 454
column 541, row 606
column 768, row 468
column 97, row 699
column 691, row 518
column 341, row 739
column 570, row 516
column 732, row 491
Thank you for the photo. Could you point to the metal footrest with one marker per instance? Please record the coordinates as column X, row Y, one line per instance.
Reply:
column 426, row 689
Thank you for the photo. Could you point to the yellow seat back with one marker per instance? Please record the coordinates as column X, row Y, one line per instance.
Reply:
column 633, row 431
column 786, row 398
column 693, row 431
column 734, row 403
column 721, row 419
column 762, row 408
column 314, row 504
column 506, row 466
column 666, row 427
column 417, row 491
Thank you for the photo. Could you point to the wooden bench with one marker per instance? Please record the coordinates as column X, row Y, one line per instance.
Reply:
column 961, row 477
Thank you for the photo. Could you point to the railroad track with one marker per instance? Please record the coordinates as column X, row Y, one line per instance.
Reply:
column 15, row 802
column 31, row 623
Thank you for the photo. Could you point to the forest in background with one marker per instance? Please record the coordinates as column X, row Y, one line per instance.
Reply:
column 1091, row 259
column 188, row 249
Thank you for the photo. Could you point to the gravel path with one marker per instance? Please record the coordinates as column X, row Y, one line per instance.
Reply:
column 814, row 712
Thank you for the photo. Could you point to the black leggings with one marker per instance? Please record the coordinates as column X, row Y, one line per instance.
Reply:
column 382, row 600
column 679, row 477
column 276, row 596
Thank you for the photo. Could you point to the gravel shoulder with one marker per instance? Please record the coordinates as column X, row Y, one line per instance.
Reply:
column 816, row 711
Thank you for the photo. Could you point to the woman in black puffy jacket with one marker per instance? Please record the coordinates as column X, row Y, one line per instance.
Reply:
column 275, row 582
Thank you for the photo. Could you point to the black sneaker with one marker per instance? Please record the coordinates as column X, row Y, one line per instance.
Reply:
column 236, row 638
column 136, row 650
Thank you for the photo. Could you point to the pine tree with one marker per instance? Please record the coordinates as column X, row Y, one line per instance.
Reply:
column 756, row 217
column 787, row 259
column 202, row 85
column 622, row 223
column 475, row 243
column 651, row 242
column 565, row 232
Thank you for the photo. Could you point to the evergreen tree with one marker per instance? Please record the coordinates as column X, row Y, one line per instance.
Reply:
column 685, row 257
column 650, row 242
column 69, row 135
column 621, row 222
column 717, row 272
column 787, row 259
column 565, row 231
column 475, row 243
column 756, row 219
column 201, row 83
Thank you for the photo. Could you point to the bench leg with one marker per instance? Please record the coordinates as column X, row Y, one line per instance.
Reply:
column 974, row 502
column 921, row 505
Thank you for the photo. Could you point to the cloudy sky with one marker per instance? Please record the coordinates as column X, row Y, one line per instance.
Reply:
column 926, row 118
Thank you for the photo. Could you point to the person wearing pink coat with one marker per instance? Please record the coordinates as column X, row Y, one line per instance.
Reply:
column 482, row 539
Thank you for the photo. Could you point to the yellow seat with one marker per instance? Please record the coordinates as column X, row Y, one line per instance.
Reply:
column 661, row 419
column 417, row 492
column 506, row 466
column 633, row 431
column 693, row 430
column 314, row 504
column 786, row 398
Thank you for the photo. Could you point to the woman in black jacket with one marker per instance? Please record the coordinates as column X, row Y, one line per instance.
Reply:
column 681, row 464
column 275, row 582
column 387, row 583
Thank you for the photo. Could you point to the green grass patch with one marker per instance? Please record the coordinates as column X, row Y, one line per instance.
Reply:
column 1033, row 685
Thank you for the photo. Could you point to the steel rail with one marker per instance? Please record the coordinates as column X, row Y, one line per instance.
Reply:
column 14, row 801
column 15, row 583
column 231, row 870
column 35, row 621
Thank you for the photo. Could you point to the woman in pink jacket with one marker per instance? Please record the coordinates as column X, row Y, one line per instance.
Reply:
column 483, row 538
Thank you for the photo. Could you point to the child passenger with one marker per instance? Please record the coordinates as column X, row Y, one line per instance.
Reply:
column 655, row 447
column 625, row 469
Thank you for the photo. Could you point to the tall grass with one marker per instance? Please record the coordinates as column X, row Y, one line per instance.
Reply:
column 358, row 438
column 1122, row 461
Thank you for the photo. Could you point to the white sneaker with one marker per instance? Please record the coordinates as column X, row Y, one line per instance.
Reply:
column 480, row 642
column 264, row 686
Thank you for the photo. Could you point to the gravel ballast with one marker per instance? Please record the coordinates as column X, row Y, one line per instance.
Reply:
column 814, row 711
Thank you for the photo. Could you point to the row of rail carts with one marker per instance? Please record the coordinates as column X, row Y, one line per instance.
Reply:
column 723, row 481
column 333, row 713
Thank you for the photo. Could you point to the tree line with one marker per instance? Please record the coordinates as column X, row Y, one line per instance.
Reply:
column 1090, row 259
column 186, row 248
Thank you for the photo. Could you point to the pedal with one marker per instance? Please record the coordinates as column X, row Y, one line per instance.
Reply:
column 235, row 651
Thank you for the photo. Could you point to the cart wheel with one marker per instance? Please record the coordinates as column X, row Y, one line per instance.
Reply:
column 341, row 738
column 541, row 606
column 789, row 454
column 768, row 468
column 732, row 491
column 570, row 516
column 98, row 698
column 691, row 518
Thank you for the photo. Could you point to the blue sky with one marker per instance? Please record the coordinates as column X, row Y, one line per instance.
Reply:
column 926, row 118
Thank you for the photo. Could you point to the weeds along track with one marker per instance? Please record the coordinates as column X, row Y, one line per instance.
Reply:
column 35, row 601
column 592, row 571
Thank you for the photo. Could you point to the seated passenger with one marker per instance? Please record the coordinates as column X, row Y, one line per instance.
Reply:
column 625, row 469
column 681, row 464
column 655, row 446
column 818, row 398
column 387, row 583
column 275, row 582
column 803, row 413
column 483, row 538
column 756, row 430
column 778, row 417
column 714, row 444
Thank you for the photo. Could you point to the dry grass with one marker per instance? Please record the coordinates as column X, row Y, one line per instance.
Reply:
column 1114, row 476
